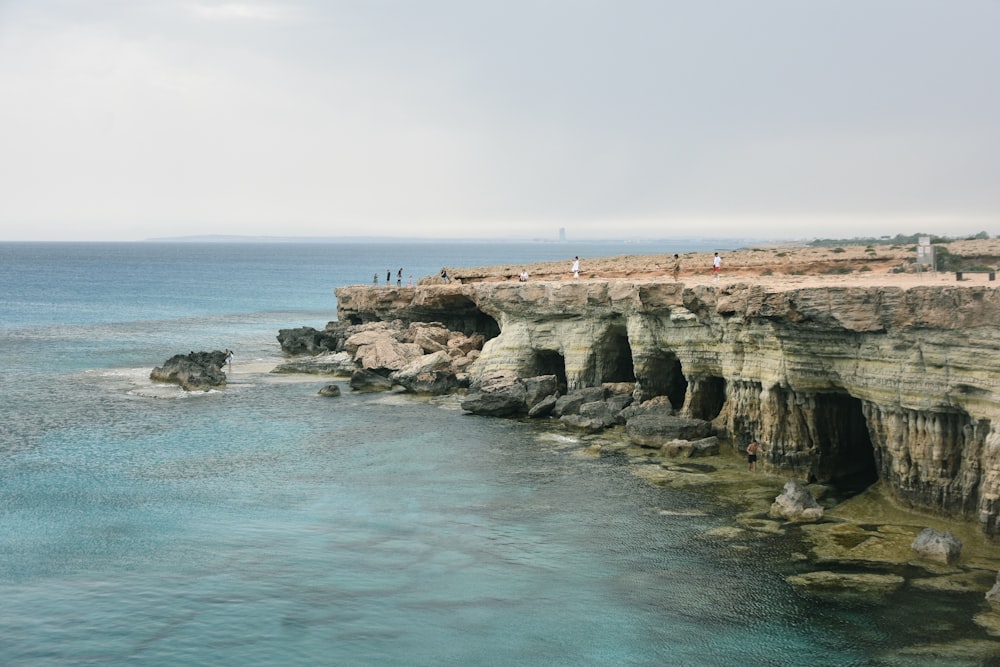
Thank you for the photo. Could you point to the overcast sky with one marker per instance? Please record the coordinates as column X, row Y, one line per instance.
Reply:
column 126, row 119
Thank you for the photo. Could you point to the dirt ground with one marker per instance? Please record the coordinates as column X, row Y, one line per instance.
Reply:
column 780, row 266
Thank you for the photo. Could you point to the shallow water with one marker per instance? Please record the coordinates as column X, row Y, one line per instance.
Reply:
column 264, row 524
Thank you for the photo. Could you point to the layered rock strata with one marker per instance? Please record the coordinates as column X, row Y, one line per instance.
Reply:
column 844, row 385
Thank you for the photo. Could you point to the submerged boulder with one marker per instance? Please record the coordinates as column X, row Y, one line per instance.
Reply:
column 937, row 545
column 796, row 503
column 196, row 371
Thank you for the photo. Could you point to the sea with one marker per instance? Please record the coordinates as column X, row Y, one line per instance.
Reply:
column 263, row 524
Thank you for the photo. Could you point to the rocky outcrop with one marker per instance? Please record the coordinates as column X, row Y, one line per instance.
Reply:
column 424, row 358
column 842, row 385
column 196, row 371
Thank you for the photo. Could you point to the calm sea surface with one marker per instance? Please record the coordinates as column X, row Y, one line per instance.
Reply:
column 264, row 525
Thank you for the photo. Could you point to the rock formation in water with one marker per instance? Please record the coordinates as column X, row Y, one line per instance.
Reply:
column 196, row 371
column 420, row 357
column 844, row 385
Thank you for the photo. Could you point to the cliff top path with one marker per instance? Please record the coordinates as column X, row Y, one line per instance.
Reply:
column 778, row 267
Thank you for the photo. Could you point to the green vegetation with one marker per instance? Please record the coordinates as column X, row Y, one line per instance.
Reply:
column 895, row 241
column 838, row 250
column 864, row 269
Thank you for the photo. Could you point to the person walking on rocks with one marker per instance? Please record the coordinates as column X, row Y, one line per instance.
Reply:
column 753, row 449
column 716, row 265
column 576, row 268
column 229, row 359
column 677, row 266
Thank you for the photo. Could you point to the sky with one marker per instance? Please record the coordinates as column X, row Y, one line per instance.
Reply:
column 634, row 119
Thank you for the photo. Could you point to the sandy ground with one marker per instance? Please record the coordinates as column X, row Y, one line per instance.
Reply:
column 780, row 267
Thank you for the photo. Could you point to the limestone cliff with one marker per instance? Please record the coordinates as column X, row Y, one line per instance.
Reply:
column 842, row 384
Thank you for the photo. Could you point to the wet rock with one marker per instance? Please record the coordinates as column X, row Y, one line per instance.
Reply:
column 307, row 340
column 499, row 395
column 196, row 371
column 543, row 408
column 691, row 448
column 936, row 545
column 330, row 390
column 581, row 423
column 329, row 363
column 848, row 584
column 365, row 380
column 538, row 388
column 796, row 504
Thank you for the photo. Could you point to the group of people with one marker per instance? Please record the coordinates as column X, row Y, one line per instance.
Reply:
column 523, row 277
column 388, row 278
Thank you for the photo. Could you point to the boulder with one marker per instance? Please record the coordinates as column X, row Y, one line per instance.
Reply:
column 691, row 448
column 658, row 404
column 537, row 388
column 543, row 408
column 330, row 390
column 307, row 340
column 427, row 374
column 386, row 353
column 571, row 402
column 581, row 423
column 655, row 428
column 496, row 396
column 196, row 371
column 465, row 344
column 937, row 545
column 329, row 363
column 366, row 380
column 993, row 595
column 796, row 503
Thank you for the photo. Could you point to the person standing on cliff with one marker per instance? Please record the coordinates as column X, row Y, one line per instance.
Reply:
column 388, row 277
column 399, row 277
column 716, row 265
column 677, row 266
column 576, row 268
column 753, row 449
column 375, row 280
column 444, row 274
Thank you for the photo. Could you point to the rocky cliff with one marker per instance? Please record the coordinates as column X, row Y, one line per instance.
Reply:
column 843, row 385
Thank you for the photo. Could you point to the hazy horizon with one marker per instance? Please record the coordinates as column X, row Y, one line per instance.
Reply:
column 479, row 120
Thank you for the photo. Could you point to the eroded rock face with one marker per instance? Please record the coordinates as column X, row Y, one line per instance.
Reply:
column 197, row 371
column 842, row 385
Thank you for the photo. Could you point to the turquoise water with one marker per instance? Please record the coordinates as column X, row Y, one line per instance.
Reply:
column 264, row 525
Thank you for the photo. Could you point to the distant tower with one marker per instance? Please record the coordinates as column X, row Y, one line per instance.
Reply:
column 562, row 234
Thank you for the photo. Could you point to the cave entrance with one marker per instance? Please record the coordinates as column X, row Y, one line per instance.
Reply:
column 708, row 395
column 550, row 362
column 846, row 454
column 457, row 312
column 662, row 375
column 612, row 361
